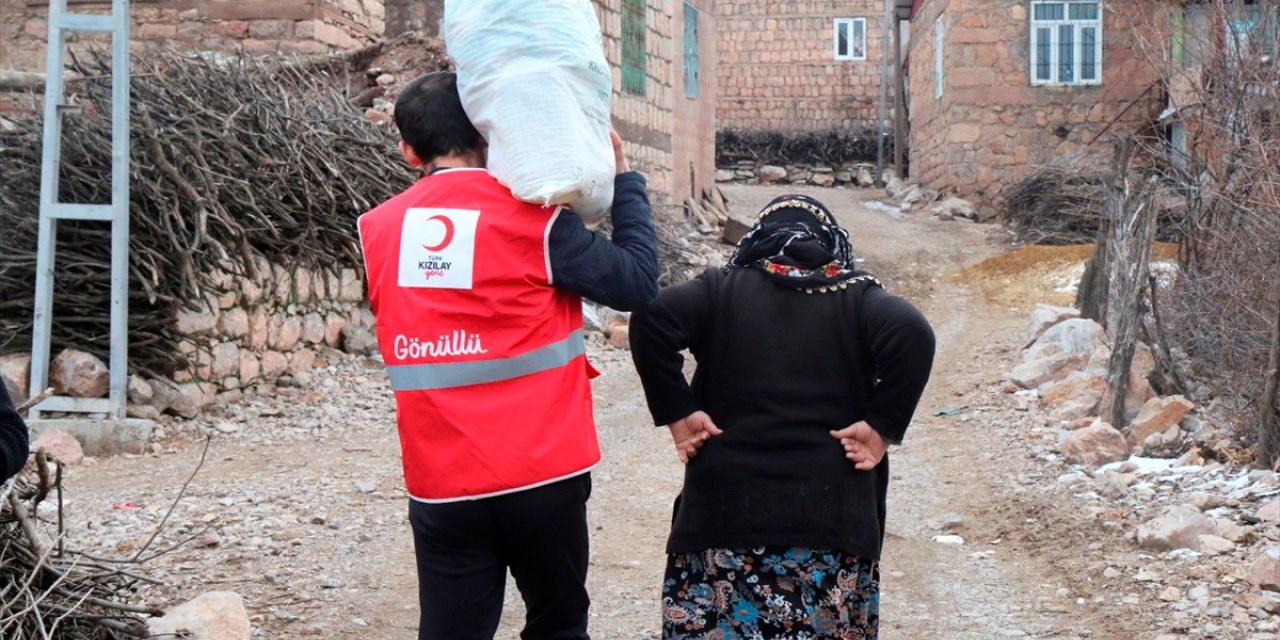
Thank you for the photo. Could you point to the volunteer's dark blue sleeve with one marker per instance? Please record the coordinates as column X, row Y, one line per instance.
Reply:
column 621, row 272
column 13, row 437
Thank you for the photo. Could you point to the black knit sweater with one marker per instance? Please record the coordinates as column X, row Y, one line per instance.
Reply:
column 13, row 437
column 778, row 369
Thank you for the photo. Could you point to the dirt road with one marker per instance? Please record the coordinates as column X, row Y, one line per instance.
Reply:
column 307, row 519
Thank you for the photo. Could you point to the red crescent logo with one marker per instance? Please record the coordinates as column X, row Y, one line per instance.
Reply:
column 448, row 234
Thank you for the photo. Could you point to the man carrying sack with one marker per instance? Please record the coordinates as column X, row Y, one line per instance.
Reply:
column 478, row 298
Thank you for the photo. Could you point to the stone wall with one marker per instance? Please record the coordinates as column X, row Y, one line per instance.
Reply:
column 693, row 140
column 819, row 175
column 777, row 69
column 645, row 122
column 674, row 163
column 414, row 15
column 279, row 26
column 256, row 331
column 991, row 126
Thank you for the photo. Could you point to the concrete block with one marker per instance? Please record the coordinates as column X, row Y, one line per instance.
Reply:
column 101, row 437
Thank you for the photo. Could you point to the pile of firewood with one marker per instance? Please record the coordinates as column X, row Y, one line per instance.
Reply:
column 48, row 592
column 231, row 159
column 798, row 147
column 711, row 212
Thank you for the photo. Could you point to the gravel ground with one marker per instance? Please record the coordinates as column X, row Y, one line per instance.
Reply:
column 299, row 506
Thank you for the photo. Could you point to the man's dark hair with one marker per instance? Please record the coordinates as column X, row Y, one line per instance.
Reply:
column 430, row 117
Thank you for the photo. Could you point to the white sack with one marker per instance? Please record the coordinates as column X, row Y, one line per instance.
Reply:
column 534, row 81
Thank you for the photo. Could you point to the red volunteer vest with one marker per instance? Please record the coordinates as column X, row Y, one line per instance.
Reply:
column 485, row 356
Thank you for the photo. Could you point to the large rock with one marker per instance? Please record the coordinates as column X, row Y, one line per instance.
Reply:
column 913, row 196
column 894, row 186
column 189, row 398
column 163, row 394
column 333, row 330
column 865, row 178
column 1074, row 397
column 724, row 175
column 302, row 284
column 1141, row 366
column 359, row 340
column 1136, row 394
column 301, row 361
column 259, row 330
column 351, row 286
column 1264, row 573
column 736, row 226
column 313, row 328
column 1269, row 512
column 953, row 208
column 79, row 374
column 140, row 391
column 822, row 180
column 190, row 322
column 1178, row 527
column 59, row 445
column 284, row 332
column 250, row 367
column 1212, row 545
column 1166, row 444
column 620, row 337
column 1045, row 316
column 1030, row 375
column 216, row 615
column 1095, row 446
column 234, row 323
column 1157, row 415
column 226, row 360
column 1078, row 336
column 274, row 364
column 15, row 373
column 770, row 174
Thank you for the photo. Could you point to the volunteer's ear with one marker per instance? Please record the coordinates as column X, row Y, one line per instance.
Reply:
column 410, row 155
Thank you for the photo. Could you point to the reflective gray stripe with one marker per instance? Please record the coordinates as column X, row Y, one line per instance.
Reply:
column 425, row 377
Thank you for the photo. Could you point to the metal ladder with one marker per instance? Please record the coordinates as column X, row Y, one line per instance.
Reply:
column 62, row 22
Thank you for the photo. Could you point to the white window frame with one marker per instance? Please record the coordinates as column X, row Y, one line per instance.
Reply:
column 939, row 61
column 850, row 24
column 1078, row 25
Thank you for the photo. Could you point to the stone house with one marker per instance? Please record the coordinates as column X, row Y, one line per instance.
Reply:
column 1205, row 41
column 811, row 65
column 997, row 87
column 662, row 52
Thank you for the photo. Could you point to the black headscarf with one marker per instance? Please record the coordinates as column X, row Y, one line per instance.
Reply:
column 798, row 243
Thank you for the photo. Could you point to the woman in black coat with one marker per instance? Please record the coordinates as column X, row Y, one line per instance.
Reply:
column 807, row 369
column 13, row 437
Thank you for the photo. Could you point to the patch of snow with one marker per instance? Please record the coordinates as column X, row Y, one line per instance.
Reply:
column 1068, row 281
column 876, row 205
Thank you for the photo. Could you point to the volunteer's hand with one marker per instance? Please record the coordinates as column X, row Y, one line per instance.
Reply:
column 619, row 159
column 691, row 432
column 862, row 444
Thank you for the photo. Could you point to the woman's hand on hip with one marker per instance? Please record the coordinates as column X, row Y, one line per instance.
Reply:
column 862, row 444
column 691, row 432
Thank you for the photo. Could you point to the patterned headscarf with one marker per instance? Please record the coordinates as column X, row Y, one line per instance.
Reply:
column 798, row 243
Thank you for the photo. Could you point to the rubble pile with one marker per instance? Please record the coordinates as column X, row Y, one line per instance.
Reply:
column 1161, row 481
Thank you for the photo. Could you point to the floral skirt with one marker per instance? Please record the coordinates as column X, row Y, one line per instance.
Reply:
column 770, row 593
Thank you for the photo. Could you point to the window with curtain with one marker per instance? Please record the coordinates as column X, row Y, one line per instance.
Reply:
column 850, row 38
column 1066, row 42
